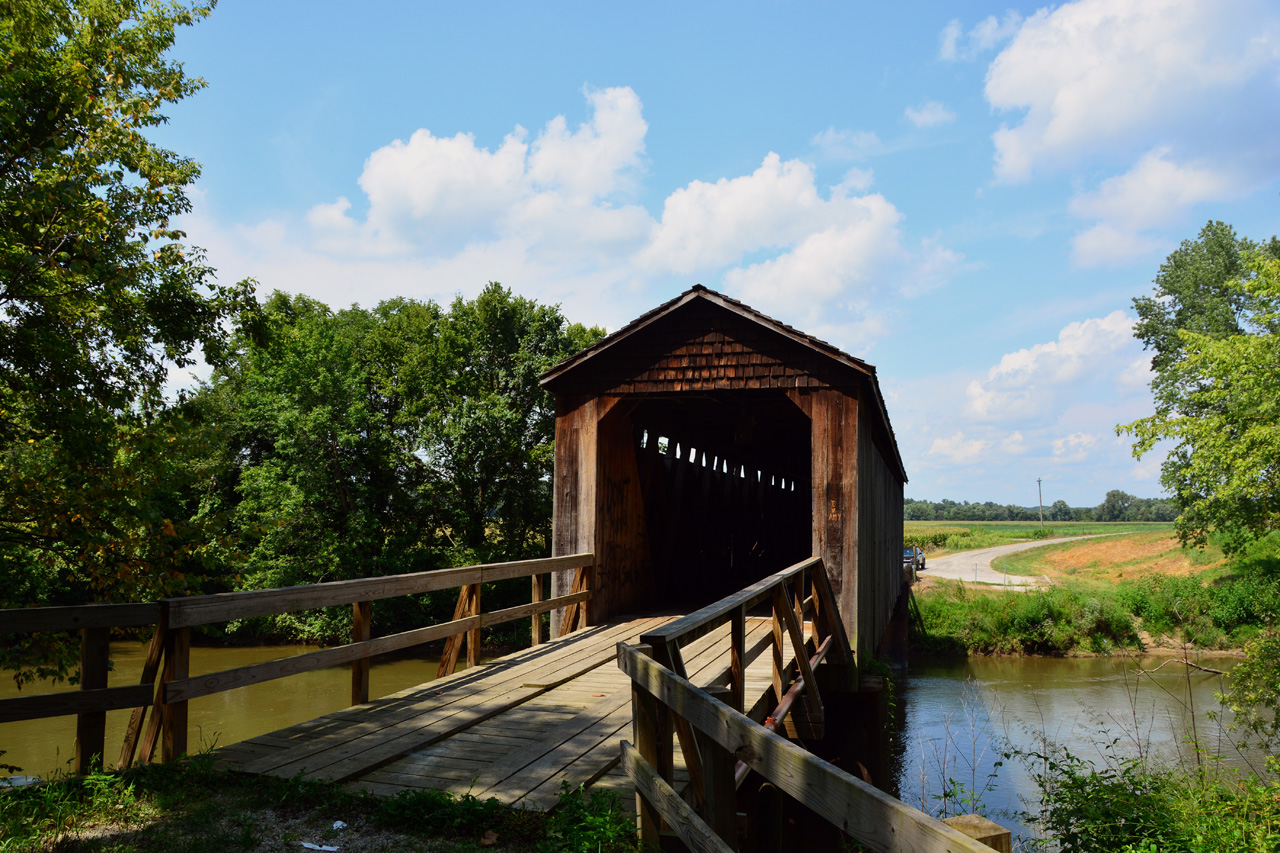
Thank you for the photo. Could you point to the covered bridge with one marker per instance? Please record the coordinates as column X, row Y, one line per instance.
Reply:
column 705, row 445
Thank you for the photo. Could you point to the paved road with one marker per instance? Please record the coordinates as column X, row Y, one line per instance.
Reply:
column 975, row 566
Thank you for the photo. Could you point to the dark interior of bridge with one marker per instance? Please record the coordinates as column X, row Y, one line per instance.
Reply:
column 725, row 482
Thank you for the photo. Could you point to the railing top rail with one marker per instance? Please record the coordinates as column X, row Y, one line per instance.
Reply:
column 708, row 618
column 205, row 609
column 73, row 618
column 873, row 817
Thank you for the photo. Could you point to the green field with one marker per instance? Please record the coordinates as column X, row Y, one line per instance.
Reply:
column 938, row 538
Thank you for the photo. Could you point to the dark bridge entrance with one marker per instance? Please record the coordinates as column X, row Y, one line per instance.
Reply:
column 724, row 477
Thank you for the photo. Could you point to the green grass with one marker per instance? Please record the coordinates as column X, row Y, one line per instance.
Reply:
column 1218, row 608
column 188, row 807
column 948, row 537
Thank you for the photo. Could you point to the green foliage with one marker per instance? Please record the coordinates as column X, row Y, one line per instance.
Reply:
column 1050, row 621
column 362, row 443
column 98, row 299
column 1132, row 805
column 593, row 822
column 1214, row 327
column 439, row 813
column 1117, row 506
column 1254, row 695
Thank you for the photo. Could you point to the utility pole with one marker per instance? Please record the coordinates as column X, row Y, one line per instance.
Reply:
column 1040, row 493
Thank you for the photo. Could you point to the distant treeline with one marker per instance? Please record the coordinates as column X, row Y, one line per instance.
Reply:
column 1117, row 506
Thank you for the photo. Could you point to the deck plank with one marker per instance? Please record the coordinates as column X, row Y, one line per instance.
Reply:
column 515, row 728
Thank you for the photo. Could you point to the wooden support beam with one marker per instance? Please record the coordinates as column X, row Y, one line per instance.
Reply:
column 91, row 726
column 669, row 656
column 150, row 668
column 72, row 702
column 473, row 638
column 665, row 803
column 651, row 728
column 177, row 665
column 535, row 629
column 738, row 659
column 720, row 787
column 871, row 816
column 453, row 645
column 802, row 654
column 361, row 619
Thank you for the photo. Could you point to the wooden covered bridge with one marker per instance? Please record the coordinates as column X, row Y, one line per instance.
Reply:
column 726, row 535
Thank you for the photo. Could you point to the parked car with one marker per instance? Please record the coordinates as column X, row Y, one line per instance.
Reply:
column 913, row 558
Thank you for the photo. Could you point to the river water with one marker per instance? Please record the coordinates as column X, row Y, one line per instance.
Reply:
column 962, row 717
column 958, row 717
column 41, row 747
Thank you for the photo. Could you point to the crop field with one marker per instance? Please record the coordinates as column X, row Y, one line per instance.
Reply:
column 948, row 537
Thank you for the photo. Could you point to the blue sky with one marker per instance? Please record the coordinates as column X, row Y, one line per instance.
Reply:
column 968, row 196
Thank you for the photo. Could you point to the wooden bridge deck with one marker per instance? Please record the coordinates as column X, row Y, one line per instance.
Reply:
column 514, row 728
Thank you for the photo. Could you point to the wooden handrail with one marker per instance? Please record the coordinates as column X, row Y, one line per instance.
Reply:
column 175, row 617
column 78, row 617
column 223, row 607
column 229, row 679
column 705, row 620
column 861, row 810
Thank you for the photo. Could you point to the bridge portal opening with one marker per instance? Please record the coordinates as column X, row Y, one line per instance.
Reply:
column 724, row 487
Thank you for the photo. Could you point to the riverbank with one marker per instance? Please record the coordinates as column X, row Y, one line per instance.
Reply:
column 189, row 806
column 1160, row 603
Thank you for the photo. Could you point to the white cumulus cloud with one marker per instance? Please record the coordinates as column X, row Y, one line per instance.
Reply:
column 1025, row 382
column 1074, row 447
column 1156, row 192
column 957, row 448
column 1092, row 75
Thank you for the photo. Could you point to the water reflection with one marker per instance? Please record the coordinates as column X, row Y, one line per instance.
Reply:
column 960, row 719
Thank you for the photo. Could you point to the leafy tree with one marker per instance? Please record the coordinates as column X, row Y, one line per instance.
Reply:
column 1219, row 404
column 1194, row 292
column 370, row 442
column 1114, row 507
column 1060, row 511
column 492, row 426
column 98, row 299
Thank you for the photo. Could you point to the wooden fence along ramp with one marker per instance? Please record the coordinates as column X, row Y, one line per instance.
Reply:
column 168, row 655
column 721, row 746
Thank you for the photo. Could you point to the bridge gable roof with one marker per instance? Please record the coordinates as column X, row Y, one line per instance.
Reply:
column 705, row 341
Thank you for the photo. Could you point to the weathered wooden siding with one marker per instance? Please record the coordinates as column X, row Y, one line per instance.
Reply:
column 573, row 497
column 622, row 544
column 880, row 538
column 834, row 471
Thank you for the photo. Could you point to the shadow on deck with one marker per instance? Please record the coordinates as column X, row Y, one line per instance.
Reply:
column 514, row 728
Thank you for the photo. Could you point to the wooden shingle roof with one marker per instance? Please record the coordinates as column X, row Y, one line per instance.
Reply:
column 703, row 331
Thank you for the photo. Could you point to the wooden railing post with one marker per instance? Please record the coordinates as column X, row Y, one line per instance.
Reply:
column 535, row 630
column 91, row 727
column 361, row 630
column 720, row 808
column 737, row 659
column 779, row 672
column 473, row 637
column 173, row 715
column 652, row 731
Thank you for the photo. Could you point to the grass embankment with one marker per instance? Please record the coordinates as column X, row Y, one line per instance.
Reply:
column 1128, row 592
column 189, row 806
column 940, row 538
